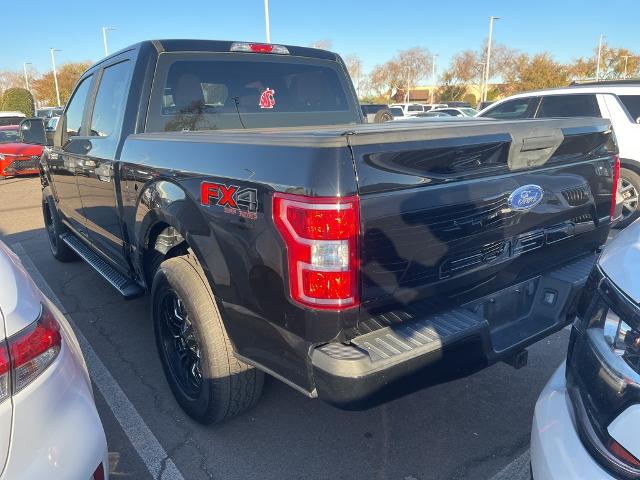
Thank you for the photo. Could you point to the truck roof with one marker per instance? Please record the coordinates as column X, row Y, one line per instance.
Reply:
column 219, row 46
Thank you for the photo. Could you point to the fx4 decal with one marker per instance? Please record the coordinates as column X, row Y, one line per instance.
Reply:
column 235, row 200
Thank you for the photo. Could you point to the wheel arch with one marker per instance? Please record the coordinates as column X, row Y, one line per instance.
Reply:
column 630, row 164
column 168, row 223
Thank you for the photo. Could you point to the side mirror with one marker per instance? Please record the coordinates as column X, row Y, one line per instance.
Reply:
column 32, row 131
column 60, row 135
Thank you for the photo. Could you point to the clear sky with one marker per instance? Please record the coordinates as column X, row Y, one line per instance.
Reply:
column 374, row 29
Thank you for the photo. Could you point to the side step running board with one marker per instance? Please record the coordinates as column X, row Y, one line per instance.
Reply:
column 128, row 288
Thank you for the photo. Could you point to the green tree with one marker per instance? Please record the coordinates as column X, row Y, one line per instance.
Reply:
column 535, row 72
column 19, row 100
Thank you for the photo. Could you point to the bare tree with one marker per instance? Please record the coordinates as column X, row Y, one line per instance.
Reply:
column 354, row 67
column 385, row 80
column 11, row 79
column 413, row 65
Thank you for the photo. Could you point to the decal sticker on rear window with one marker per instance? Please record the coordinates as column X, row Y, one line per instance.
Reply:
column 267, row 98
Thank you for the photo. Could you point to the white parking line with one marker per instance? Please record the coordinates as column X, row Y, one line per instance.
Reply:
column 143, row 440
column 516, row 470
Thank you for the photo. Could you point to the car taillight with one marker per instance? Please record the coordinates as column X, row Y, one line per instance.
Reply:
column 259, row 48
column 33, row 349
column 321, row 236
column 616, row 180
column 622, row 453
column 5, row 372
column 98, row 474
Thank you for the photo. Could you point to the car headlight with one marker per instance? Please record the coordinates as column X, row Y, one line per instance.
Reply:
column 1, row 157
column 623, row 339
column 603, row 371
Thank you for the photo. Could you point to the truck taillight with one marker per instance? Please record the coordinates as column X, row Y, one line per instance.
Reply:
column 616, row 181
column 321, row 235
column 33, row 349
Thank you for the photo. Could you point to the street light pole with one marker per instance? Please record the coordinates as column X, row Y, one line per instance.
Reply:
column 433, row 76
column 486, row 68
column 104, row 39
column 26, row 78
column 55, row 74
column 266, row 20
column 626, row 58
column 599, row 53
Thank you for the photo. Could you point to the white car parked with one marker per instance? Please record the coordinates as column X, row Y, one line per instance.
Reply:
column 49, row 425
column 409, row 109
column 587, row 419
column 618, row 101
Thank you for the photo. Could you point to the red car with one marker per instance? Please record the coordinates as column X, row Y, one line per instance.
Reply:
column 17, row 158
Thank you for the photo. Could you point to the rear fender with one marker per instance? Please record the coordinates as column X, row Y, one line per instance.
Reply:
column 167, row 203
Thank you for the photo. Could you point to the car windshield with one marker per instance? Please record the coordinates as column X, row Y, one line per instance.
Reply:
column 397, row 112
column 469, row 112
column 209, row 91
column 10, row 135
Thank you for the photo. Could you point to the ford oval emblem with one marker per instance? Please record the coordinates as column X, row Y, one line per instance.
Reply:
column 526, row 197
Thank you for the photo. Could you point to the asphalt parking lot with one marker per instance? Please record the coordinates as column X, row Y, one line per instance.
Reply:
column 476, row 427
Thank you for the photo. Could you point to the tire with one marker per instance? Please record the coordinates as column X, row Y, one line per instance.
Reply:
column 54, row 229
column 629, row 188
column 208, row 381
column 383, row 115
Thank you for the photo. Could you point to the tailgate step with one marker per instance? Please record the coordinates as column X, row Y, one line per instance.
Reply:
column 125, row 286
column 408, row 339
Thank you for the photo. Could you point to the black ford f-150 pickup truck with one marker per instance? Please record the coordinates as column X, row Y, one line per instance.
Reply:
column 275, row 232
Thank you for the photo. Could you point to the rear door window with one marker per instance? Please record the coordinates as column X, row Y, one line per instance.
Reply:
column 576, row 105
column 632, row 104
column 513, row 109
column 212, row 91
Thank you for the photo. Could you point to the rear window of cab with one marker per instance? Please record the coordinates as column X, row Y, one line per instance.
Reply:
column 214, row 91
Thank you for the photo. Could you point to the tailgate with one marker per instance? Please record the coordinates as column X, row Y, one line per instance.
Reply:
column 457, row 209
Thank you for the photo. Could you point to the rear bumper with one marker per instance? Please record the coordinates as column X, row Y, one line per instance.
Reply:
column 557, row 453
column 419, row 348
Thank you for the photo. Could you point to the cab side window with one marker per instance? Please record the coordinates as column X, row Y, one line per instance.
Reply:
column 75, row 109
column 110, row 100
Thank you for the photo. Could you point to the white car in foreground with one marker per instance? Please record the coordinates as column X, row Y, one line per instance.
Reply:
column 587, row 419
column 49, row 425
